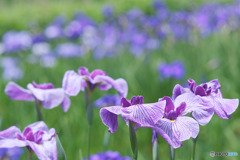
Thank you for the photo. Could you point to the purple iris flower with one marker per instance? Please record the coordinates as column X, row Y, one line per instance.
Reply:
column 74, row 82
column 209, row 93
column 173, row 126
column 11, row 153
column 108, row 155
column 68, row 50
column 11, row 70
column 143, row 115
column 73, row 29
column 36, row 137
column 53, row 31
column 108, row 100
column 16, row 41
column 174, row 69
column 45, row 94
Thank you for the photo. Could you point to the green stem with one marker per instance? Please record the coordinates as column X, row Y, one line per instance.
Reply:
column 89, row 107
column 133, row 140
column 156, row 150
column 106, row 140
column 171, row 153
column 38, row 109
column 30, row 155
column 194, row 140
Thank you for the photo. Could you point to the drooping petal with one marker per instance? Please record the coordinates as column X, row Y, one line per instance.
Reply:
column 50, row 98
column 109, row 117
column 16, row 92
column 10, row 143
column 200, row 107
column 66, row 103
column 45, row 151
column 73, row 83
column 185, row 128
column 120, row 85
column 164, row 127
column 10, row 132
column 224, row 107
column 144, row 115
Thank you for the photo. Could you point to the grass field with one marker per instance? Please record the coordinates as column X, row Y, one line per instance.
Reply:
column 205, row 59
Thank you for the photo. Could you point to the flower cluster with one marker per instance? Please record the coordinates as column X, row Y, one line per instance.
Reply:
column 168, row 117
column 118, row 33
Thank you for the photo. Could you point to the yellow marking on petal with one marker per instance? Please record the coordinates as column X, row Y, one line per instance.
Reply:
column 172, row 120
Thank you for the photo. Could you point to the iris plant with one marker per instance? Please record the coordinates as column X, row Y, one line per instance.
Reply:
column 74, row 82
column 44, row 95
column 36, row 137
column 135, row 113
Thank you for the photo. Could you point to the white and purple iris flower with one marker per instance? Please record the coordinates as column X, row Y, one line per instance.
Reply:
column 211, row 98
column 36, row 137
column 74, row 82
column 143, row 115
column 173, row 125
column 45, row 94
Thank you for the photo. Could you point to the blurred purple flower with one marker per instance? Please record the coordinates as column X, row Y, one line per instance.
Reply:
column 107, row 11
column 108, row 155
column 14, row 41
column 40, row 49
column 210, row 94
column 143, row 115
column 108, row 100
column 69, row 50
column 48, row 61
column 53, row 31
column 45, row 94
column 11, row 153
column 174, row 69
column 36, row 137
column 11, row 70
column 173, row 126
column 74, row 82
column 73, row 29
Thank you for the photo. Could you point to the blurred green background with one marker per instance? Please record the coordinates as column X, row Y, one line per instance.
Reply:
column 141, row 74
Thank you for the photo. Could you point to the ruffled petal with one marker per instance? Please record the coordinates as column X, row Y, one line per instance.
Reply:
column 185, row 127
column 144, row 115
column 224, row 107
column 164, row 127
column 50, row 98
column 10, row 132
column 16, row 92
column 200, row 107
column 66, row 103
column 73, row 83
column 109, row 117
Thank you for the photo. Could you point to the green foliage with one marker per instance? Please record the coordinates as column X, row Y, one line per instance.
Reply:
column 205, row 58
